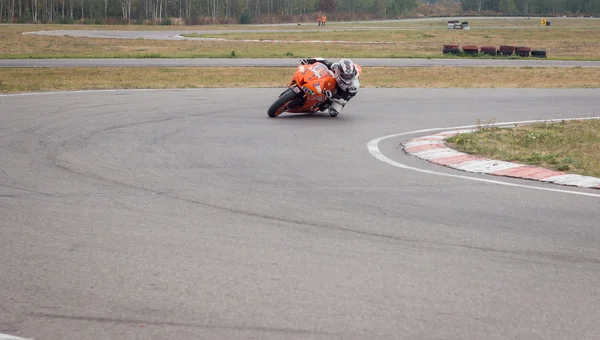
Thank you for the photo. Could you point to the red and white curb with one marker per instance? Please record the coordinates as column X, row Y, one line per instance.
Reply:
column 432, row 148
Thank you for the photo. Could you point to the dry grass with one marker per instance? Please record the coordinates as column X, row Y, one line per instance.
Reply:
column 486, row 77
column 52, row 79
column 561, row 42
column 569, row 146
column 483, row 23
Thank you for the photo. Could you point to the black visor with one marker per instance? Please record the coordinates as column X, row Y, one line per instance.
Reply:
column 347, row 76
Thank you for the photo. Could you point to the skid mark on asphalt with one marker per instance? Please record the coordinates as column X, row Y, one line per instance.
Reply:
column 328, row 226
column 373, row 147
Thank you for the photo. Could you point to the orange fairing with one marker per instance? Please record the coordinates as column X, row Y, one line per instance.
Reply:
column 309, row 88
column 314, row 80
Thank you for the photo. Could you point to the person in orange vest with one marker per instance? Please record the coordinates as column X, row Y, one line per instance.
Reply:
column 319, row 20
column 324, row 19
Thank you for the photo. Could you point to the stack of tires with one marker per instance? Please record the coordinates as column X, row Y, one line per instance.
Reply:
column 522, row 51
column 451, row 49
column 489, row 50
column 470, row 49
column 506, row 50
column 503, row 50
column 538, row 53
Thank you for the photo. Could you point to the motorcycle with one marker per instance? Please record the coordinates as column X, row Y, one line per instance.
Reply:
column 310, row 87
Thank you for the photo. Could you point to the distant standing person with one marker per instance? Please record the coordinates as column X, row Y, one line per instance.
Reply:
column 324, row 19
column 319, row 20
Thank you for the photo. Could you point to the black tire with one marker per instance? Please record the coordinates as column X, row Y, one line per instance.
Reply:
column 470, row 49
column 451, row 51
column 279, row 106
column 489, row 50
column 506, row 50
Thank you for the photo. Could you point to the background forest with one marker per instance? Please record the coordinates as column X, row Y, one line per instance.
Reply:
column 198, row 12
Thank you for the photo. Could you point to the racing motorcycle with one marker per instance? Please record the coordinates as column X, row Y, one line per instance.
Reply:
column 310, row 87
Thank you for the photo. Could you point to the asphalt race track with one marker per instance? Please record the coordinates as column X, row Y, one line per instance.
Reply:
column 189, row 214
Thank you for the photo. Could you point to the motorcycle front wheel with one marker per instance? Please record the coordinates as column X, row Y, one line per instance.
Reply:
column 282, row 103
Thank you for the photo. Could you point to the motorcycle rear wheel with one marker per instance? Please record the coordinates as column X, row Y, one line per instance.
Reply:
column 281, row 104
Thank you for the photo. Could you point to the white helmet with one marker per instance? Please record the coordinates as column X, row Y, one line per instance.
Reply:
column 345, row 71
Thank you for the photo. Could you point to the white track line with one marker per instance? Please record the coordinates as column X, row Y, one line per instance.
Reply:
column 282, row 41
column 23, row 94
column 10, row 337
column 373, row 147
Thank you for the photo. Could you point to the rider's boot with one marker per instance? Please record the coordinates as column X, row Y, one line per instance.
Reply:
column 336, row 107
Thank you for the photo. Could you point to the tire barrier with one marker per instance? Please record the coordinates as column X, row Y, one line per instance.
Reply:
column 506, row 50
column 470, row 49
column 451, row 49
column 522, row 51
column 489, row 50
column 538, row 53
column 503, row 50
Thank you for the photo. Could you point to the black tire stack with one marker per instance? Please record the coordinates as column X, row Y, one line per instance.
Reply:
column 451, row 49
column 506, row 50
column 503, row 50
column 522, row 51
column 470, row 49
column 489, row 50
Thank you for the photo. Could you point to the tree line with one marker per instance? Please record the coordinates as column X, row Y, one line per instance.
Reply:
column 194, row 12
column 534, row 7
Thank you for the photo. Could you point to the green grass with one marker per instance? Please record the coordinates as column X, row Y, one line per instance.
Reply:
column 569, row 146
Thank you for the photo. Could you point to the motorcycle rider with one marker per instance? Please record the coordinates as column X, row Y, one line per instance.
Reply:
column 348, row 82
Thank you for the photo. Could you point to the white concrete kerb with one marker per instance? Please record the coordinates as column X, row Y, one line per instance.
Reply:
column 12, row 337
column 373, row 148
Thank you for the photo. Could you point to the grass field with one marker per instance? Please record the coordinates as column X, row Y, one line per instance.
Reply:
column 569, row 146
column 485, row 23
column 565, row 39
column 52, row 79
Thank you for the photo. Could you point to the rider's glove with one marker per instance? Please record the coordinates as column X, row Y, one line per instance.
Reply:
column 303, row 61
